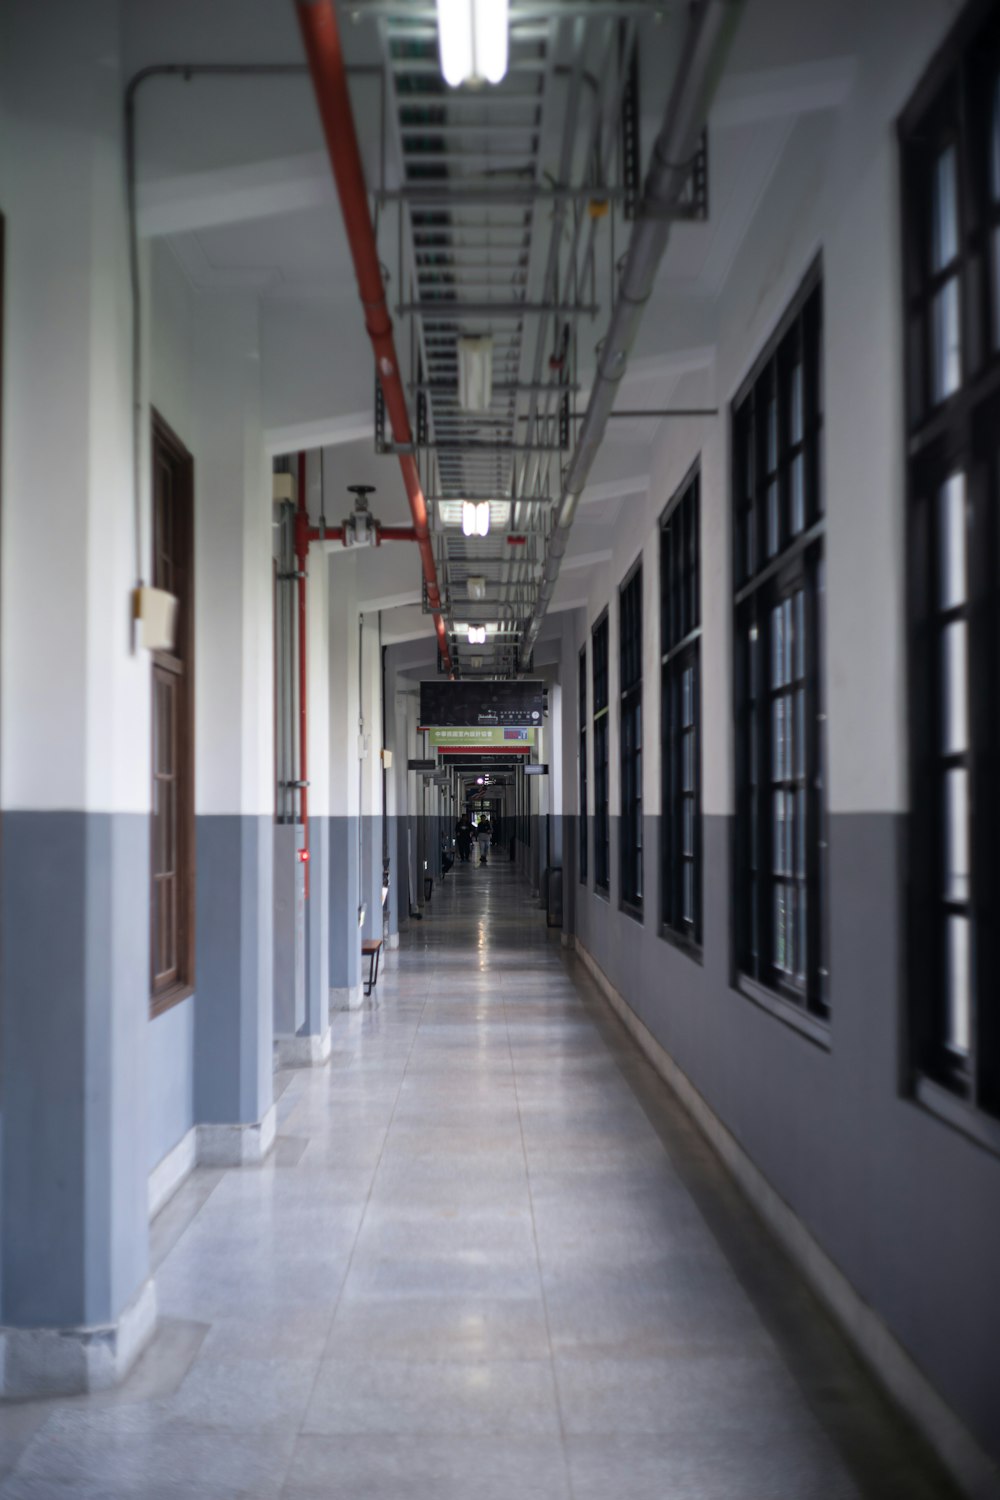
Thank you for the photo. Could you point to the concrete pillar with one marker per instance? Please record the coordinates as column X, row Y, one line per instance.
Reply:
column 234, row 768
column 345, row 783
column 77, row 1301
column 308, row 1045
column 371, row 775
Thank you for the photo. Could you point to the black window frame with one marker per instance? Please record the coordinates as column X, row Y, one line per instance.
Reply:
column 680, row 705
column 601, row 714
column 630, row 849
column 955, row 108
column 584, row 841
column 778, row 557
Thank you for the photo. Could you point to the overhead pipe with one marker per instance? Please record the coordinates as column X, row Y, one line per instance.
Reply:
column 710, row 29
column 382, row 534
column 321, row 36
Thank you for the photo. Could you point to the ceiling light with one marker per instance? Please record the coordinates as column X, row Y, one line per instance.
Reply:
column 475, row 372
column 476, row 587
column 477, row 635
column 476, row 517
column 472, row 36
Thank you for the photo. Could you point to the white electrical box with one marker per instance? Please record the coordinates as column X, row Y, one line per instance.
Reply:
column 155, row 615
column 387, row 760
column 282, row 488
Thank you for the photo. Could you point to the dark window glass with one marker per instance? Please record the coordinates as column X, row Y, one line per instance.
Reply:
column 630, row 688
column 780, row 802
column 680, row 753
column 582, row 719
column 950, row 140
column 599, row 671
column 172, row 792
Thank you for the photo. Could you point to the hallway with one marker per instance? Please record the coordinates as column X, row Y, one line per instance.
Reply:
column 487, row 1258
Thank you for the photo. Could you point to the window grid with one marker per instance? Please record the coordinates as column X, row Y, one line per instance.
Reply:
column 680, row 638
column 950, row 139
column 630, row 690
column 599, row 677
column 781, row 875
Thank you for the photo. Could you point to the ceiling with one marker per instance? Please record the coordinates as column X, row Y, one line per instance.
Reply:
column 234, row 184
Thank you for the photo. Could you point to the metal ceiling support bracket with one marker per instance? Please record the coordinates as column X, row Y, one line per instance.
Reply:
column 710, row 29
column 444, row 310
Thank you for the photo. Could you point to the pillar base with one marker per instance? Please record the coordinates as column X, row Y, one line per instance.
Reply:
column 392, row 941
column 567, row 940
column 236, row 1145
column 350, row 998
column 75, row 1361
column 302, row 1051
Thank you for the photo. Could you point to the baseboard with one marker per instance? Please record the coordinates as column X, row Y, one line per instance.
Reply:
column 350, row 997
column 169, row 1173
column 972, row 1469
column 302, row 1051
column 76, row 1361
column 238, row 1145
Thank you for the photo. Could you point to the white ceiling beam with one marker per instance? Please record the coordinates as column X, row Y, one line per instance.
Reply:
column 232, row 195
column 324, row 432
column 770, row 93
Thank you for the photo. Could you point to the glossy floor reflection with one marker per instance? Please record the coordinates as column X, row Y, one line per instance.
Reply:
column 489, row 1260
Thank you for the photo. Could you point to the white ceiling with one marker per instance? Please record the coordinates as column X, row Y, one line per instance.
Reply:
column 233, row 178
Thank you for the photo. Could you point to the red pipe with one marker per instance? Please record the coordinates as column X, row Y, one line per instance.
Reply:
column 301, row 565
column 321, row 36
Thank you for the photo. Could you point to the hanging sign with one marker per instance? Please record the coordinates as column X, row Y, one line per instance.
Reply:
column 511, row 741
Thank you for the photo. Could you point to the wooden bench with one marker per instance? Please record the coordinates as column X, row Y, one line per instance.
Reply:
column 370, row 949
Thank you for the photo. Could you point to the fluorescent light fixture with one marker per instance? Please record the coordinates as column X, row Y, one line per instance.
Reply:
column 477, row 587
column 476, row 517
column 475, row 372
column 473, row 39
column 477, row 635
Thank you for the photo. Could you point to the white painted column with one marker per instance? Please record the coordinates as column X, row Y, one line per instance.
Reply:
column 234, row 739
column 345, row 781
column 371, row 775
column 77, row 1300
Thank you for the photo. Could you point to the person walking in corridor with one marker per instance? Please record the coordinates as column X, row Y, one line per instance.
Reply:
column 484, row 833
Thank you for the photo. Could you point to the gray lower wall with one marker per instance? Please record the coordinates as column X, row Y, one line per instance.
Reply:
column 345, row 886
column 317, row 935
column 74, row 995
column 905, row 1205
column 170, row 1079
column 234, row 1024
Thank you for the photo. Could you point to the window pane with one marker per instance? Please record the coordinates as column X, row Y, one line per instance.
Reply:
column 954, row 688
column 951, row 542
column 688, row 825
column 958, row 982
column 799, row 613
column 795, row 404
column 996, row 287
column 945, row 244
column 688, row 896
column 773, row 519
column 772, row 434
column 797, row 483
column 947, row 341
column 956, row 835
column 995, row 143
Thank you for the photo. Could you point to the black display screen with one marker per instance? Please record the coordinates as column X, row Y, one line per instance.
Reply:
column 455, row 704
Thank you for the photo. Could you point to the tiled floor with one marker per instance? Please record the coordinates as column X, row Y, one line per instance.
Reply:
column 489, row 1260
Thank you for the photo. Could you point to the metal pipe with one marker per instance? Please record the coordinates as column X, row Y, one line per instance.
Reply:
column 711, row 26
column 445, row 310
column 321, row 36
column 301, row 565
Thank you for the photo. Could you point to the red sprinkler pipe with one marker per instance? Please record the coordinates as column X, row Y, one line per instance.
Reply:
column 321, row 36
column 301, row 565
column 382, row 534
